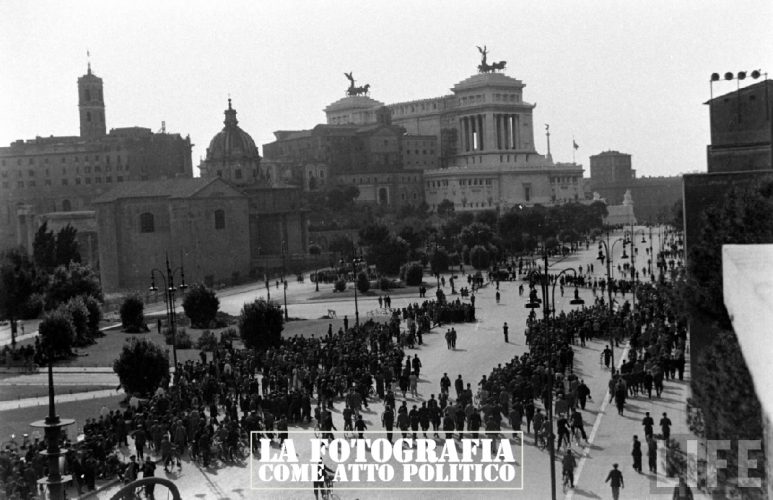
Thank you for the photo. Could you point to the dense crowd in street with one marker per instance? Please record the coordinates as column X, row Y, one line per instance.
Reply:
column 207, row 412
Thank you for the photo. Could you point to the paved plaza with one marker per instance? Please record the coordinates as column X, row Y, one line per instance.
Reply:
column 480, row 347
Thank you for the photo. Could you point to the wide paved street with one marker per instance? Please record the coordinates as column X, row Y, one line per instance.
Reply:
column 480, row 347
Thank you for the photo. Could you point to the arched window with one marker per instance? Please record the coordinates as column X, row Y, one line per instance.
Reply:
column 147, row 223
column 219, row 219
column 66, row 206
column 88, row 116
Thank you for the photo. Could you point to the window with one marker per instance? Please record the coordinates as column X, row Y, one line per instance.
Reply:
column 31, row 183
column 238, row 173
column 87, row 179
column 88, row 116
column 147, row 223
column 66, row 206
column 219, row 219
column 31, row 173
column 64, row 182
column 48, row 182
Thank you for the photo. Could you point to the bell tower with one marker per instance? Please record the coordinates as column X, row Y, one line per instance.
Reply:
column 91, row 105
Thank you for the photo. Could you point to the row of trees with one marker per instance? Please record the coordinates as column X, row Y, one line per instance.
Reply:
column 477, row 239
column 48, row 280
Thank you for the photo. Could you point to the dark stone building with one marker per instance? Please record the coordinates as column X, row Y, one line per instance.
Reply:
column 612, row 175
column 58, row 175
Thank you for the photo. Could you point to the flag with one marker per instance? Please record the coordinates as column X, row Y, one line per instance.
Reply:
column 576, row 146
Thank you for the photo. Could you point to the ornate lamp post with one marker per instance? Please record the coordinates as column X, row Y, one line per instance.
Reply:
column 534, row 303
column 169, row 297
column 605, row 248
column 52, row 426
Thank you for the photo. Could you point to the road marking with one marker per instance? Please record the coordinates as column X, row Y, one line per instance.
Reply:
column 592, row 436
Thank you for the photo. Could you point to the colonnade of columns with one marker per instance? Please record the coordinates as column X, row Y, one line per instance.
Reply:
column 473, row 132
column 507, row 126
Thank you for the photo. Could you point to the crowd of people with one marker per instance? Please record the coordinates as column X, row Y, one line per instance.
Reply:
column 211, row 406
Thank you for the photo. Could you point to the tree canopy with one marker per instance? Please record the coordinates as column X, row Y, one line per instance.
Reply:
column 73, row 280
column 18, row 281
column 261, row 324
column 201, row 305
column 141, row 367
column 744, row 216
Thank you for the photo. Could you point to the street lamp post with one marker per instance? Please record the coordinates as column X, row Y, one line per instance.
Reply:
column 169, row 298
column 534, row 304
column 605, row 245
column 355, row 260
column 52, row 428
column 284, row 283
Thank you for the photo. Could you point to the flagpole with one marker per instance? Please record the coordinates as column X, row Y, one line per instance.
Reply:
column 574, row 151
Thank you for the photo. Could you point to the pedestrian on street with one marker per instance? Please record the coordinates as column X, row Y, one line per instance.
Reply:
column 498, row 296
column 149, row 470
column 648, row 423
column 505, row 329
column 607, row 355
column 652, row 455
column 665, row 427
column 615, row 480
column 636, row 454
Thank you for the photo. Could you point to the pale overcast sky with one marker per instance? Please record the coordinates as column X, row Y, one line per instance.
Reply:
column 630, row 76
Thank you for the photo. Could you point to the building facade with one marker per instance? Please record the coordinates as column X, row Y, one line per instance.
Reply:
column 49, row 175
column 220, row 233
column 198, row 223
column 741, row 130
column 374, row 157
column 612, row 176
column 486, row 152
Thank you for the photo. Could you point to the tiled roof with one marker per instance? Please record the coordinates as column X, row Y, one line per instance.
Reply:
column 164, row 188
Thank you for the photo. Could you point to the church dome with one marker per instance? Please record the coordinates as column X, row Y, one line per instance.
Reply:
column 232, row 143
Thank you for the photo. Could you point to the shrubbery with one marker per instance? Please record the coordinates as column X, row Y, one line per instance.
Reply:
column 479, row 257
column 132, row 314
column 363, row 285
column 412, row 273
column 340, row 285
column 261, row 324
column 201, row 305
column 141, row 367
column 184, row 340
column 57, row 333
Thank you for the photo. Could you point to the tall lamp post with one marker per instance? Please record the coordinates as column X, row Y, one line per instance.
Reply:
column 604, row 247
column 634, row 251
column 533, row 303
column 284, row 283
column 52, row 426
column 355, row 261
column 169, row 297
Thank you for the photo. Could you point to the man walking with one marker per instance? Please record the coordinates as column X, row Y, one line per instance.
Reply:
column 665, row 427
column 615, row 480
column 505, row 329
